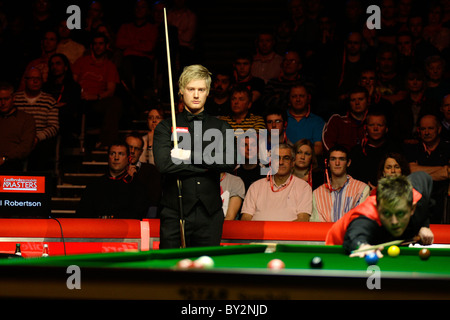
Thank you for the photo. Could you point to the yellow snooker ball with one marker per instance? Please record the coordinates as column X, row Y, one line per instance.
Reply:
column 393, row 251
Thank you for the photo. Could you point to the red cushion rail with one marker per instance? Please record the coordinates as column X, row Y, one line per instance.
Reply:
column 275, row 230
column 265, row 230
column 441, row 233
column 289, row 231
column 72, row 228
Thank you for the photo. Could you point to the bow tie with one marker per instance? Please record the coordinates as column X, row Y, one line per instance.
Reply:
column 192, row 117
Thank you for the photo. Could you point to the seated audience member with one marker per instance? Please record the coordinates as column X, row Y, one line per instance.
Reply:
column 393, row 164
column 389, row 215
column 348, row 65
column 276, row 120
column 145, row 175
column 249, row 164
column 266, row 62
column 242, row 76
column 92, row 21
column 49, row 43
column 404, row 44
column 137, row 40
column 375, row 100
column 185, row 20
column 445, row 118
column 241, row 117
column 113, row 195
column 348, row 130
column 306, row 165
column 232, row 191
column 218, row 103
column 66, row 45
column 301, row 122
column 437, row 86
column 367, row 156
column 280, row 196
column 43, row 108
column 276, row 92
column 340, row 193
column 421, row 47
column 98, row 77
column 432, row 155
column 155, row 116
column 67, row 93
column 390, row 82
column 17, row 132
column 408, row 111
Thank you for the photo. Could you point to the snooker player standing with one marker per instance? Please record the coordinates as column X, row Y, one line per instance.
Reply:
column 398, row 211
column 200, row 179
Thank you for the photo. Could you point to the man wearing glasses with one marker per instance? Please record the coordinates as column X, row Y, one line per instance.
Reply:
column 146, row 177
column 280, row 196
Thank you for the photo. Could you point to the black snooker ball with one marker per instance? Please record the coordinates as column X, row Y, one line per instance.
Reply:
column 316, row 263
column 424, row 254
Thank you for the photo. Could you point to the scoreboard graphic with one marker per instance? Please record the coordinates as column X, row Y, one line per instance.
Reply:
column 24, row 195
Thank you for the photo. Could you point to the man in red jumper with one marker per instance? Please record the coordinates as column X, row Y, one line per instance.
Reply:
column 399, row 210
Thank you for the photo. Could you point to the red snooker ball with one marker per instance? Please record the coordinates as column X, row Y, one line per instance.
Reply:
column 424, row 254
column 276, row 264
column 185, row 264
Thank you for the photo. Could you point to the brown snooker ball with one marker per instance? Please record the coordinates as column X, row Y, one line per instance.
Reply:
column 424, row 254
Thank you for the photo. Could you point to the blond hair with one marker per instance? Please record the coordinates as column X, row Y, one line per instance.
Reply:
column 194, row 72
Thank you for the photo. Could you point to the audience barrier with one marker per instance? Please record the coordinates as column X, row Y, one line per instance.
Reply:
column 78, row 236
column 73, row 236
column 244, row 232
column 235, row 232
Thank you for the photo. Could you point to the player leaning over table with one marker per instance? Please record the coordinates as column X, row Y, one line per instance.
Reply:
column 398, row 211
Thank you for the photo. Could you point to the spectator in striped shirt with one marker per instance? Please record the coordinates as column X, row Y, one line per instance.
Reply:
column 339, row 194
column 42, row 106
column 241, row 117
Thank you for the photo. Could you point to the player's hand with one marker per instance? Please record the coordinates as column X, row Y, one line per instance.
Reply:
column 180, row 154
column 362, row 254
column 426, row 236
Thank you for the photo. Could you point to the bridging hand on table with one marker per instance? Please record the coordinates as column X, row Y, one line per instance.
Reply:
column 362, row 254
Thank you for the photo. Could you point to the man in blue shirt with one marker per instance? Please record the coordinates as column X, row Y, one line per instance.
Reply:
column 301, row 123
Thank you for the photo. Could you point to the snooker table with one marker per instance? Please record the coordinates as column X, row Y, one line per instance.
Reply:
column 240, row 273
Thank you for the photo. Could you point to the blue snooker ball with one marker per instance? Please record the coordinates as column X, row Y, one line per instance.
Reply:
column 371, row 258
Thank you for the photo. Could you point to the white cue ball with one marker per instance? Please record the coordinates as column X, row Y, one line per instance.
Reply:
column 204, row 262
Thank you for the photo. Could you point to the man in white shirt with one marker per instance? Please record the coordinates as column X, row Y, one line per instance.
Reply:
column 281, row 196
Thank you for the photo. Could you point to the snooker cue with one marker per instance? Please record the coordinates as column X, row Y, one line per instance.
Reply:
column 375, row 247
column 386, row 244
column 174, row 130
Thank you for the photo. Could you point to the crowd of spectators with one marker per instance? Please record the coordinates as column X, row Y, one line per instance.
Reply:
column 342, row 96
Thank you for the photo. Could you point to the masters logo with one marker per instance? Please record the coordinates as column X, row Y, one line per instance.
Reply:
column 22, row 184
